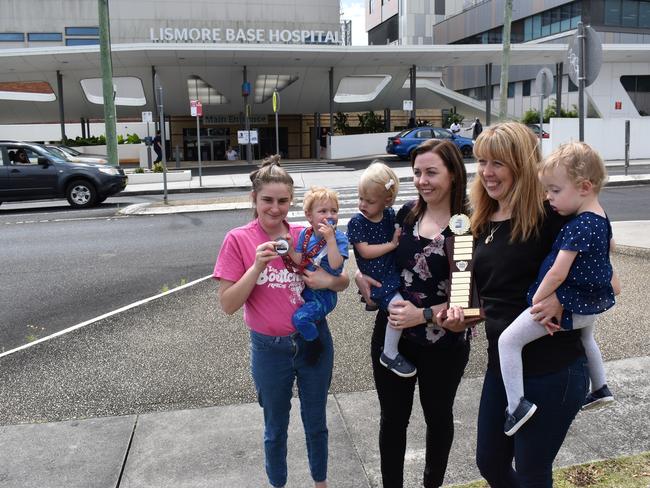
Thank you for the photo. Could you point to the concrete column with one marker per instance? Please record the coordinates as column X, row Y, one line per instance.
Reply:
column 488, row 94
column 59, row 84
column 558, row 87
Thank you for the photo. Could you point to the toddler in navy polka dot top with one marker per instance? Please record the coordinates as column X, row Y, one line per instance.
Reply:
column 578, row 270
column 375, row 236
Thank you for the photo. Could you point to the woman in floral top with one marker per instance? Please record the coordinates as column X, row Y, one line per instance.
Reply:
column 439, row 355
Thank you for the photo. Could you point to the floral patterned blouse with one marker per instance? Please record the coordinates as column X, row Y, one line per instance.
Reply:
column 424, row 272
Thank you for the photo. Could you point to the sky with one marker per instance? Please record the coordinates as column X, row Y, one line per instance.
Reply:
column 354, row 10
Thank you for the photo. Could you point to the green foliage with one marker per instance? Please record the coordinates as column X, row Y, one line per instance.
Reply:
column 371, row 122
column 451, row 117
column 101, row 140
column 157, row 168
column 531, row 116
column 139, row 170
column 341, row 125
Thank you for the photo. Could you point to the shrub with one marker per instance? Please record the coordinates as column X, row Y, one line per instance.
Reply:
column 139, row 170
column 157, row 168
column 371, row 122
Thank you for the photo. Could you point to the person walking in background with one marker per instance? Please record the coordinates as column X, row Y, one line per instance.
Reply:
column 454, row 127
column 157, row 147
column 252, row 275
column 477, row 128
column 438, row 354
column 231, row 154
column 578, row 270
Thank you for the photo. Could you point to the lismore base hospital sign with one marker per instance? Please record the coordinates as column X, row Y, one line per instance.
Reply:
column 218, row 35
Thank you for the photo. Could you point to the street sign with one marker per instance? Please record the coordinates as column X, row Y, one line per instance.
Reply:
column 147, row 117
column 247, row 137
column 407, row 105
column 276, row 101
column 593, row 56
column 196, row 108
column 544, row 82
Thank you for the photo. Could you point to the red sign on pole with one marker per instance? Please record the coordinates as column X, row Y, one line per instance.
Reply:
column 196, row 108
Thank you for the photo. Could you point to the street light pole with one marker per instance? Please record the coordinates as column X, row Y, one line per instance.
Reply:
column 107, row 82
column 505, row 61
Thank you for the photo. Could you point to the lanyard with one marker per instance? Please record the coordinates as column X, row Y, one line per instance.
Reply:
column 306, row 256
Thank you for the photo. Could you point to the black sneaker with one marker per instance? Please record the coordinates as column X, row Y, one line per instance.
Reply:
column 599, row 398
column 400, row 366
column 519, row 417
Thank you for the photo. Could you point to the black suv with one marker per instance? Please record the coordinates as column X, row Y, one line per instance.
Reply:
column 30, row 171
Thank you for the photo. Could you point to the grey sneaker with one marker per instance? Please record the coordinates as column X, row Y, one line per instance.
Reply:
column 519, row 417
column 400, row 366
column 599, row 398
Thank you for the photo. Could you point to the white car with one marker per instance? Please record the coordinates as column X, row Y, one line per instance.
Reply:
column 74, row 156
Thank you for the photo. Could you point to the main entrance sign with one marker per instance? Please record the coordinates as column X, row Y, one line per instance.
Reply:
column 218, row 35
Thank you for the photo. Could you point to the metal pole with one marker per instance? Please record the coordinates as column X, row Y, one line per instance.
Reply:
column 505, row 61
column 331, row 131
column 541, row 120
column 413, row 82
column 83, row 127
column 155, row 105
column 558, row 88
column 163, row 139
column 581, row 81
column 247, row 125
column 148, row 148
column 627, row 146
column 277, row 134
column 107, row 83
column 59, row 82
column 488, row 93
column 198, row 145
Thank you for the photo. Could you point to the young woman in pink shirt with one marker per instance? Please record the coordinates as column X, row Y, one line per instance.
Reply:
column 253, row 275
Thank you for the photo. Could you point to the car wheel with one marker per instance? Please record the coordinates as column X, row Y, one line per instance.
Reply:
column 467, row 151
column 81, row 194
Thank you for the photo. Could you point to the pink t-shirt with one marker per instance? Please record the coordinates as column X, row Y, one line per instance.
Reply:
column 276, row 295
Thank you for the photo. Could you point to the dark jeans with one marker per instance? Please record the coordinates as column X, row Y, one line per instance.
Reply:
column 558, row 397
column 439, row 372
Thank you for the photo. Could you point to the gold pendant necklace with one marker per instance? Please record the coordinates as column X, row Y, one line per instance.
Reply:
column 490, row 238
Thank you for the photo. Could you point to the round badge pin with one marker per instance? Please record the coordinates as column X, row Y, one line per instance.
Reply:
column 282, row 246
column 459, row 224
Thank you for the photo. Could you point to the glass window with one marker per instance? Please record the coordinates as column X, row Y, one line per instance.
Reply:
column 537, row 26
column 643, row 83
column 45, row 37
column 81, row 42
column 612, row 12
column 576, row 14
column 12, row 37
column 644, row 14
column 511, row 89
column 528, row 29
column 424, row 134
column 442, row 134
column 82, row 31
column 565, row 17
column 630, row 13
column 555, row 20
column 546, row 23
column 572, row 86
column 525, row 88
column 629, row 83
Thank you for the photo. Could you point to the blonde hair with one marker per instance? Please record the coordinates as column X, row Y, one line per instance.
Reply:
column 581, row 162
column 317, row 194
column 516, row 147
column 269, row 172
column 380, row 174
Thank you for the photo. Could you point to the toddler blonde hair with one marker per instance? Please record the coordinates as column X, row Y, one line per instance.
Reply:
column 380, row 174
column 317, row 194
column 581, row 162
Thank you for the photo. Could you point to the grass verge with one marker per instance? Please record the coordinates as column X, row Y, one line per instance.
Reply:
column 625, row 472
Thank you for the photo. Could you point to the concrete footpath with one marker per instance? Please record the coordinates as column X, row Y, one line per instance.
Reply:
column 222, row 446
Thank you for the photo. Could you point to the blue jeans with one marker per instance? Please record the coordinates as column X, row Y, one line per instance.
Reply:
column 318, row 303
column 558, row 397
column 275, row 363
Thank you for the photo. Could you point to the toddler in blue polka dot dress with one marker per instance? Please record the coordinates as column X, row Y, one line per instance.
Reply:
column 578, row 270
column 374, row 236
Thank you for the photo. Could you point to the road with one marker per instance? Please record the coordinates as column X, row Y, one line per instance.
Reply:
column 62, row 267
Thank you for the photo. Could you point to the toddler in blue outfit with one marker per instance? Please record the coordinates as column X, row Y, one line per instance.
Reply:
column 321, row 245
column 374, row 237
column 578, row 270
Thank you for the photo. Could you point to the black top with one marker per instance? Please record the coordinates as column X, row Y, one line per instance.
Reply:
column 424, row 278
column 503, row 272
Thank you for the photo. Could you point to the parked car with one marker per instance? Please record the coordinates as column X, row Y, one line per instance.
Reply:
column 406, row 141
column 535, row 129
column 75, row 156
column 30, row 171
